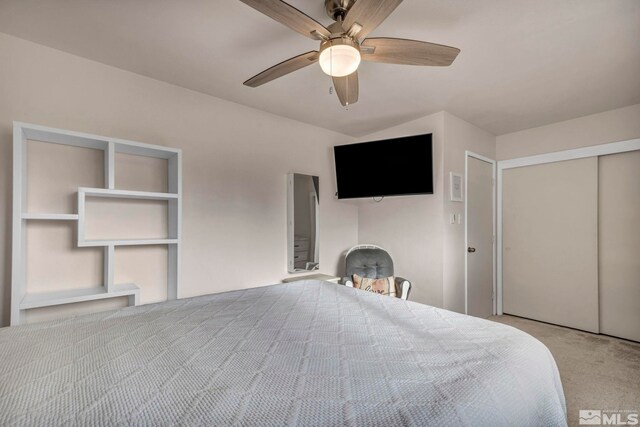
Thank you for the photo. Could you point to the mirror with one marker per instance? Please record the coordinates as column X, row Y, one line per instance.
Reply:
column 303, row 198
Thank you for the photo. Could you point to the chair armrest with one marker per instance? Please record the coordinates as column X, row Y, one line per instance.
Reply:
column 403, row 288
column 347, row 282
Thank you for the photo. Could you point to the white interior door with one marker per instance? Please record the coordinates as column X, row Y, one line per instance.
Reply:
column 480, row 230
column 619, row 244
column 550, row 243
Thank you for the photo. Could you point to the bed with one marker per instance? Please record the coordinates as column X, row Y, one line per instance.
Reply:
column 306, row 353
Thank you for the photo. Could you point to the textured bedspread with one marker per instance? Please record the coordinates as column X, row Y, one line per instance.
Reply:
column 306, row 353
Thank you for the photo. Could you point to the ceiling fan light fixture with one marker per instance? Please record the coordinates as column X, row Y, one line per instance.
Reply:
column 340, row 52
column 339, row 57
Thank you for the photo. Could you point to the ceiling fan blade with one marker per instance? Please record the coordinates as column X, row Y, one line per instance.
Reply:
column 347, row 88
column 408, row 52
column 369, row 14
column 288, row 15
column 283, row 68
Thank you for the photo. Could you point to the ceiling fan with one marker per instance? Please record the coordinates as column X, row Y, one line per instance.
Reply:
column 343, row 44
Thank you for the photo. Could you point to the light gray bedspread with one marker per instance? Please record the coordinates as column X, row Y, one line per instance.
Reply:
column 307, row 353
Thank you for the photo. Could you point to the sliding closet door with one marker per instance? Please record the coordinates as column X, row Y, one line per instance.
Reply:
column 619, row 221
column 550, row 241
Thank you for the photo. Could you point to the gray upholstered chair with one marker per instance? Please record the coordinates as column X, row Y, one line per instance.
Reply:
column 373, row 262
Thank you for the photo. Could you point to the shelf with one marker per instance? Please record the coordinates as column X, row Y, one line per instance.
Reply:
column 48, row 299
column 127, row 242
column 50, row 216
column 79, row 139
column 110, row 147
column 126, row 194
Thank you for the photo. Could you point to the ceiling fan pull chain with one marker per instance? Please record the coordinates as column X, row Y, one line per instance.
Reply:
column 331, row 67
column 346, row 105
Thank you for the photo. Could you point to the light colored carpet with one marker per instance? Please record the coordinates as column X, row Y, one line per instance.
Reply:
column 597, row 371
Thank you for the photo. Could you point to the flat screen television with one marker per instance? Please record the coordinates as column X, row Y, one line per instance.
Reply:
column 392, row 167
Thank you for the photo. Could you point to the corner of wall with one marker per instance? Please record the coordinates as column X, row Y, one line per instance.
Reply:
column 416, row 230
column 460, row 136
column 410, row 227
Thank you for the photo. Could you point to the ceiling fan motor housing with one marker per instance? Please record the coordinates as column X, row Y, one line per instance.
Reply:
column 337, row 9
column 342, row 40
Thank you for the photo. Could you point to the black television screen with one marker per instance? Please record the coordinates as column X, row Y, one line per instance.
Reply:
column 392, row 167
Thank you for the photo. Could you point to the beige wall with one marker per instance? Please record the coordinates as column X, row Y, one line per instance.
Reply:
column 413, row 229
column 427, row 249
column 235, row 164
column 459, row 136
column 410, row 228
column 611, row 126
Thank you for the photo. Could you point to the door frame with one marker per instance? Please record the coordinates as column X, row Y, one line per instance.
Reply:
column 558, row 156
column 467, row 155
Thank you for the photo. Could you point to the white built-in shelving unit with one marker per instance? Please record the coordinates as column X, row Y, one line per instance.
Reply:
column 21, row 300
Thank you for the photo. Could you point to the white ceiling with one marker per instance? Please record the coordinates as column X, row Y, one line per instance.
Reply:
column 524, row 63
